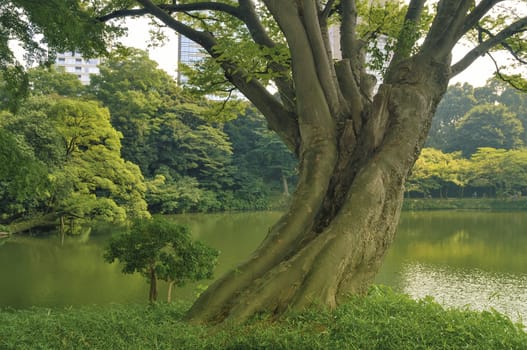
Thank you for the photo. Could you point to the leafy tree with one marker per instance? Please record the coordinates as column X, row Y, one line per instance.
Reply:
column 23, row 178
column 203, row 152
column 85, row 176
column 504, row 171
column 355, row 144
column 164, row 133
column 94, row 165
column 13, row 86
column 435, row 170
column 258, row 153
column 159, row 249
column 488, row 126
column 458, row 100
column 49, row 81
column 516, row 102
column 166, row 195
column 134, row 91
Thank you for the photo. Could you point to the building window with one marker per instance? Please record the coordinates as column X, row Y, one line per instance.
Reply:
column 78, row 60
column 61, row 60
column 78, row 69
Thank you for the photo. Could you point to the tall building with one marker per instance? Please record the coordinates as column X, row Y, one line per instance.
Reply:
column 188, row 53
column 74, row 63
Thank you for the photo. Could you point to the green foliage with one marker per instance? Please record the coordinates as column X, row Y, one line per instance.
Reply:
column 82, row 174
column 64, row 25
column 489, row 172
column 42, row 28
column 48, row 81
column 162, row 128
column 493, row 115
column 259, row 154
column 94, row 168
column 136, row 93
column 191, row 163
column 488, row 126
column 381, row 320
column 158, row 248
column 23, row 179
column 434, row 170
column 456, row 102
column 14, row 86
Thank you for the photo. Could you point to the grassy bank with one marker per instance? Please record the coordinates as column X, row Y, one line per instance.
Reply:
column 382, row 320
column 465, row 203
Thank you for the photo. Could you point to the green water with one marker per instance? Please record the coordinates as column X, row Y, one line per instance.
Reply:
column 459, row 257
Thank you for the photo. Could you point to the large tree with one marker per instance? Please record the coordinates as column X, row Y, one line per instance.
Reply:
column 355, row 143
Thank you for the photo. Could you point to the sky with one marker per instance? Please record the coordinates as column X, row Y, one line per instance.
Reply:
column 138, row 37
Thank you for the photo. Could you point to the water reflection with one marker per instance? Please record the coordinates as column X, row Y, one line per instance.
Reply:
column 43, row 272
column 473, row 288
column 462, row 258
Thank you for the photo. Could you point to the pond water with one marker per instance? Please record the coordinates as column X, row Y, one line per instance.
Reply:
column 461, row 258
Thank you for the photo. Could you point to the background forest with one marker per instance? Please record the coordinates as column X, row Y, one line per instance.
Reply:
column 476, row 145
column 132, row 144
column 129, row 145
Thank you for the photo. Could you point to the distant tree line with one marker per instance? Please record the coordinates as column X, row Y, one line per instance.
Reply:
column 132, row 144
column 129, row 145
column 476, row 145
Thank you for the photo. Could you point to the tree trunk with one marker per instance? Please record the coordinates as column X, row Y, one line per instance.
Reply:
column 169, row 292
column 285, row 185
column 343, row 214
column 152, row 296
column 62, row 230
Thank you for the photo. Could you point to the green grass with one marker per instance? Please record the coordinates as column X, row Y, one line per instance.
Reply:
column 382, row 320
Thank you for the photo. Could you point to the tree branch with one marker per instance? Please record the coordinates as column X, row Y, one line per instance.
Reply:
column 206, row 40
column 312, row 106
column 326, row 12
column 441, row 37
column 407, row 36
column 281, row 121
column 325, row 69
column 516, row 27
column 261, row 37
column 348, row 39
column 199, row 6
column 504, row 44
column 473, row 18
column 504, row 78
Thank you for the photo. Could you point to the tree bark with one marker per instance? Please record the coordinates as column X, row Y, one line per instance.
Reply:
column 332, row 240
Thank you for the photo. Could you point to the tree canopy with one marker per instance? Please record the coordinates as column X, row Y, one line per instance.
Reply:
column 159, row 249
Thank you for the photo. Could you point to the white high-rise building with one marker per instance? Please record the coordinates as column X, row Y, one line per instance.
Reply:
column 74, row 63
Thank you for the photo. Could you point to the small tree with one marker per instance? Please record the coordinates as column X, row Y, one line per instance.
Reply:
column 157, row 248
